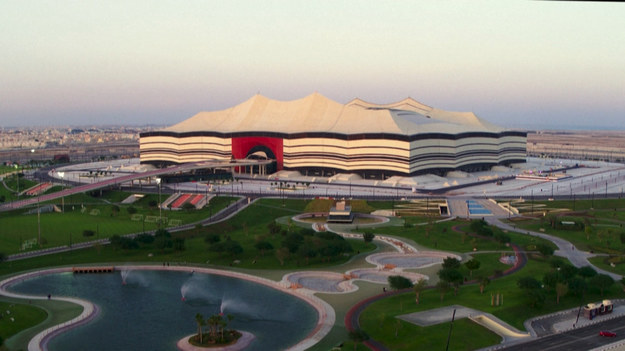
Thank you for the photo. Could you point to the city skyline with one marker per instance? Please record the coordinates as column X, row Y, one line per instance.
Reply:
column 517, row 64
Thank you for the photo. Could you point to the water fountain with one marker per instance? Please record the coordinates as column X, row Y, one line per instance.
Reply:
column 124, row 273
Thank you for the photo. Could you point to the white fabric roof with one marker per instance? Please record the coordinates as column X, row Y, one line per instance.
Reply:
column 316, row 113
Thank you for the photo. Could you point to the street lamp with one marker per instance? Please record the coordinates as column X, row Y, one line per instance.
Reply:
column 160, row 207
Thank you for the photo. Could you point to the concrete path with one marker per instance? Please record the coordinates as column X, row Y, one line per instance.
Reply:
column 565, row 248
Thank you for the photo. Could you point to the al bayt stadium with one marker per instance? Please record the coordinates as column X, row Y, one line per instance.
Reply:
column 318, row 136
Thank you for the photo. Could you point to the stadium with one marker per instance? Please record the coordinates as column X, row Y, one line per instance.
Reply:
column 320, row 137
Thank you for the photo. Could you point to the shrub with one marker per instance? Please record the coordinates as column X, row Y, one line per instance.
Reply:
column 212, row 238
column 88, row 232
column 368, row 237
column 145, row 238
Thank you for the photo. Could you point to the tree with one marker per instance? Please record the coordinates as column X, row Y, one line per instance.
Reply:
column 292, row 242
column 179, row 244
column 3, row 257
column 88, row 232
column 587, row 272
column 587, row 230
column 442, row 287
column 199, row 319
column 307, row 252
column 602, row 281
column 274, row 227
column 263, row 246
column 528, row 283
column 358, row 336
column 483, row 282
column 577, row 286
column 397, row 282
column 187, row 206
column 545, row 250
column 568, row 271
column 162, row 239
column 233, row 247
column 477, row 225
column 536, row 297
column 282, row 254
column 451, row 262
column 472, row 265
column 114, row 209
column 452, row 276
column 561, row 290
column 212, row 238
column 552, row 218
column 368, row 237
column 213, row 325
column 551, row 279
column 418, row 288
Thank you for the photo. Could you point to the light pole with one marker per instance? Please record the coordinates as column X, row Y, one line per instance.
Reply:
column 160, row 207
column 38, row 223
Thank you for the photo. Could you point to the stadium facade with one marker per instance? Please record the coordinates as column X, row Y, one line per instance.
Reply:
column 318, row 136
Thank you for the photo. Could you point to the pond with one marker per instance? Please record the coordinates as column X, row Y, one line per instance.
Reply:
column 148, row 312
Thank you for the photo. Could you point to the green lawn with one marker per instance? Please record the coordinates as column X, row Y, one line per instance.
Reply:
column 58, row 229
column 604, row 236
column 577, row 205
column 245, row 227
column 15, row 317
column 441, row 236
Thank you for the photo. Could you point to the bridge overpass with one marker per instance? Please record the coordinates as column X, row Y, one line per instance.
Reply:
column 129, row 178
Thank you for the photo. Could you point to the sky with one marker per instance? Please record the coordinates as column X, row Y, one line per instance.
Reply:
column 518, row 64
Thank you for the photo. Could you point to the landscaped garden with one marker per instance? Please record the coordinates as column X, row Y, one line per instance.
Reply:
column 595, row 226
column 263, row 237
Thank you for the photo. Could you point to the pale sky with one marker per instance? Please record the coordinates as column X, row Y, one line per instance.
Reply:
column 513, row 63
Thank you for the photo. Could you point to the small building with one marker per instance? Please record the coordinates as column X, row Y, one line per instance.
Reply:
column 340, row 213
column 592, row 310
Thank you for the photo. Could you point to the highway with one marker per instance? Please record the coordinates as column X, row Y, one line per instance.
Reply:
column 585, row 338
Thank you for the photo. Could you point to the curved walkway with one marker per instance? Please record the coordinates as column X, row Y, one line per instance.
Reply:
column 565, row 248
column 39, row 341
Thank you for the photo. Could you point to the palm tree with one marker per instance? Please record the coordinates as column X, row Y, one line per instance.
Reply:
column 419, row 287
column 472, row 265
column 443, row 287
column 213, row 323
column 483, row 282
column 199, row 319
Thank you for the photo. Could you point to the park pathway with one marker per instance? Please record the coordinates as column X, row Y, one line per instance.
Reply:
column 565, row 248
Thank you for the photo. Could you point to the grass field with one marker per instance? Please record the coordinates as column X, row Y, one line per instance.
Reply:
column 15, row 317
column 58, row 229
column 442, row 236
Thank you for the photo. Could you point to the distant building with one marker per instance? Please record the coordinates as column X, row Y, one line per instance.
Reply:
column 321, row 137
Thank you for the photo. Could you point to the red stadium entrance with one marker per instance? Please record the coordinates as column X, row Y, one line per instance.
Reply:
column 259, row 147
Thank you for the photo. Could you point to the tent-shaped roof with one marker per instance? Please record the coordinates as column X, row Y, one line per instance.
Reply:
column 316, row 113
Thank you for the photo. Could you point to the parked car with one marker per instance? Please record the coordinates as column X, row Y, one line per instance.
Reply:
column 607, row 333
